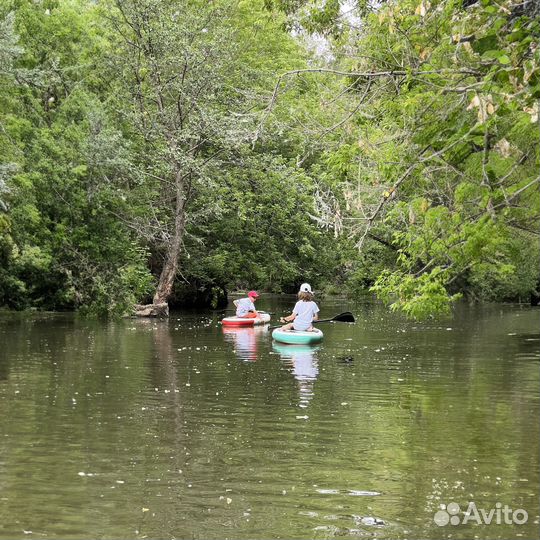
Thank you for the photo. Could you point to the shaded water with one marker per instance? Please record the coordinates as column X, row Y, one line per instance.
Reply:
column 183, row 429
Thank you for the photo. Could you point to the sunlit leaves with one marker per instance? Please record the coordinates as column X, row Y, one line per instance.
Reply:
column 461, row 115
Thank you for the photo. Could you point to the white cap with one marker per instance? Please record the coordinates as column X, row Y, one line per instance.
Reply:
column 306, row 287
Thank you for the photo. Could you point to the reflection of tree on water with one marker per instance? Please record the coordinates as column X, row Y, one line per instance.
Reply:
column 244, row 340
column 165, row 375
column 304, row 366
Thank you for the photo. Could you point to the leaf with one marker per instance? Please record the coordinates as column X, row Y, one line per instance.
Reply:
column 499, row 23
column 422, row 8
column 486, row 43
column 529, row 67
column 492, row 53
column 475, row 102
column 503, row 147
column 533, row 111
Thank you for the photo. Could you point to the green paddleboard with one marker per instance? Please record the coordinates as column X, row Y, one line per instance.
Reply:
column 297, row 337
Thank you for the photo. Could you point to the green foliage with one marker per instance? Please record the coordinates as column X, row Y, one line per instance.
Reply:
column 62, row 245
column 419, row 181
column 441, row 155
column 418, row 297
column 262, row 235
column 9, row 42
column 514, row 277
column 319, row 17
column 111, row 294
column 85, row 149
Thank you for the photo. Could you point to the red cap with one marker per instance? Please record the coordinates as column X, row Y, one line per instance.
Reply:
column 253, row 294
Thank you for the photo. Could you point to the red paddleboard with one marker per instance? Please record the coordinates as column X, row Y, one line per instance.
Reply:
column 263, row 318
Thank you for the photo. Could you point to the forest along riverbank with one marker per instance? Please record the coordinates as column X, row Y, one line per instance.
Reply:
column 400, row 155
column 181, row 428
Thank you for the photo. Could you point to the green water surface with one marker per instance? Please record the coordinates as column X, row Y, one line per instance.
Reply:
column 184, row 429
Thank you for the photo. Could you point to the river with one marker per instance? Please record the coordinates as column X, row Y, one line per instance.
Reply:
column 182, row 429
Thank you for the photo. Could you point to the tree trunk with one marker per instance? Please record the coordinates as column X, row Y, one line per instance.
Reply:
column 170, row 267
column 151, row 310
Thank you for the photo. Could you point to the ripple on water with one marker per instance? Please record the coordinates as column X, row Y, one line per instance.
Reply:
column 191, row 441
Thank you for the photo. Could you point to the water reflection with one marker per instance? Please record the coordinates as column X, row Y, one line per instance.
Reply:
column 157, row 428
column 245, row 340
column 304, row 365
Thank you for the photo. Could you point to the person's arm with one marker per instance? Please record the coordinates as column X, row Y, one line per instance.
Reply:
column 316, row 314
column 292, row 316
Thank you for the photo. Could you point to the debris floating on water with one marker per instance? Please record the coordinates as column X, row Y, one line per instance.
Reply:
column 368, row 520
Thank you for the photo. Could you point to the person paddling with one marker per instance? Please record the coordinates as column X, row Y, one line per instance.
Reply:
column 304, row 312
column 245, row 307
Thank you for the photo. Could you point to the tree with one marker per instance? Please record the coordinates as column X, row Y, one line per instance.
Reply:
column 441, row 165
column 9, row 51
column 61, row 246
column 129, row 126
column 174, row 61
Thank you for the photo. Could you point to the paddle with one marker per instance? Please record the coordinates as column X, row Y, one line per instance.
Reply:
column 346, row 316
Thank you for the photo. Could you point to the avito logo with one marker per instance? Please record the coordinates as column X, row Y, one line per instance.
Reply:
column 452, row 514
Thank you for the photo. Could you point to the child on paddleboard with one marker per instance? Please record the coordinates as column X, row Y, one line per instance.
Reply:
column 245, row 307
column 304, row 312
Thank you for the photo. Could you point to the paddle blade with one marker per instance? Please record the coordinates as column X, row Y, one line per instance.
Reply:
column 344, row 317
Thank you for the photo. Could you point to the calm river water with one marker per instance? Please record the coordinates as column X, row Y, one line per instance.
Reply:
column 180, row 429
